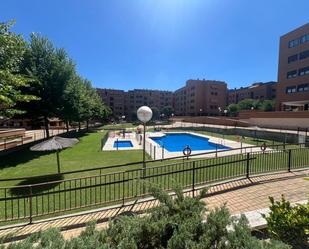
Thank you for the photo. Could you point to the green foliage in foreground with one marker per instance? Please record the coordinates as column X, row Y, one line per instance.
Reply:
column 289, row 223
column 176, row 224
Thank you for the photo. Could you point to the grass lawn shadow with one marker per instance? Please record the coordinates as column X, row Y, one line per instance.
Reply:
column 51, row 182
column 25, row 155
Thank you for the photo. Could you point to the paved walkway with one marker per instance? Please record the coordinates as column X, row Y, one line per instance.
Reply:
column 240, row 196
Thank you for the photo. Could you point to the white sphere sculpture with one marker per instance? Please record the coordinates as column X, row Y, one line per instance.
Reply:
column 144, row 114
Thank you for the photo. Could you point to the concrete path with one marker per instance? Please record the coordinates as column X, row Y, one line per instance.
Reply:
column 240, row 196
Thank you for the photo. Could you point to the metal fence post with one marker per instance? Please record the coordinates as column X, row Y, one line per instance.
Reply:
column 123, row 189
column 150, row 147
column 193, row 180
column 30, row 204
column 248, row 165
column 216, row 150
column 241, row 146
column 162, row 152
column 289, row 161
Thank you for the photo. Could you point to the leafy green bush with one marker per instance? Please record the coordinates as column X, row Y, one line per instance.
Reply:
column 178, row 223
column 288, row 223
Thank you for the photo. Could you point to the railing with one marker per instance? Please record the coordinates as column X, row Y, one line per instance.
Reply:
column 161, row 159
column 27, row 137
column 60, row 196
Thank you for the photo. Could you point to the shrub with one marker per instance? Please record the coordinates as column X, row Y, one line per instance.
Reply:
column 288, row 223
column 178, row 223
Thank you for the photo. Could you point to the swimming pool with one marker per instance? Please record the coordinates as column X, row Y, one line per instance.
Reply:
column 176, row 142
column 123, row 144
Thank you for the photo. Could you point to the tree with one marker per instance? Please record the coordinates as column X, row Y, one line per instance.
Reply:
column 93, row 107
column 52, row 69
column 233, row 109
column 82, row 103
column 72, row 100
column 168, row 111
column 12, row 50
column 246, row 104
column 268, row 105
column 155, row 113
column 255, row 104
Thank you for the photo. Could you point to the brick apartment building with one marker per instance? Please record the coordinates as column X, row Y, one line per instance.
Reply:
column 126, row 103
column 197, row 97
column 115, row 99
column 152, row 98
column 261, row 91
column 200, row 97
column 293, row 70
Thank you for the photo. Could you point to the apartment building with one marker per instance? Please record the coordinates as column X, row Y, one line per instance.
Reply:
column 259, row 90
column 115, row 99
column 126, row 104
column 152, row 98
column 293, row 71
column 200, row 97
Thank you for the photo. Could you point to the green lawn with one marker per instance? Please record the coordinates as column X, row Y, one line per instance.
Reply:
column 119, row 126
column 86, row 154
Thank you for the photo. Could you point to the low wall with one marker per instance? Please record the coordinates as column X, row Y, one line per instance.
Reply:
column 213, row 121
column 5, row 133
column 258, row 133
column 288, row 120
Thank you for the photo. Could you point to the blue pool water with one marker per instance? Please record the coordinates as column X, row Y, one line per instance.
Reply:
column 177, row 142
column 123, row 144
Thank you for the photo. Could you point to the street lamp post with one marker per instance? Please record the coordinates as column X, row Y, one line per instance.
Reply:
column 225, row 113
column 144, row 114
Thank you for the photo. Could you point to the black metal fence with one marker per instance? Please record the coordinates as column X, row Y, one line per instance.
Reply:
column 24, row 202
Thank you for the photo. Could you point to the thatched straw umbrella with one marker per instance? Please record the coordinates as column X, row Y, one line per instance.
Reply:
column 55, row 144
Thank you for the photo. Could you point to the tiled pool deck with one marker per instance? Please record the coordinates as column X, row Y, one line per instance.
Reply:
column 157, row 152
column 113, row 137
column 160, row 152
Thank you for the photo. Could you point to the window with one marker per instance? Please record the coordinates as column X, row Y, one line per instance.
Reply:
column 292, row 74
column 304, row 38
column 301, row 40
column 293, row 43
column 303, row 71
column 291, row 89
column 303, row 88
column 304, row 55
column 293, row 58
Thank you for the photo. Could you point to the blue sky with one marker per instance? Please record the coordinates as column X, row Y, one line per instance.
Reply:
column 159, row 44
